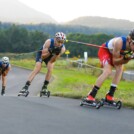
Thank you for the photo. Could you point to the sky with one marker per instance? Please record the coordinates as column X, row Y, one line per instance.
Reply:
column 66, row 10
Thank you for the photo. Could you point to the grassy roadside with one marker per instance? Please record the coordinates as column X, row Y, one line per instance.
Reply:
column 76, row 83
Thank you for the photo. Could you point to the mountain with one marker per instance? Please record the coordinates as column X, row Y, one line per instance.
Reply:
column 16, row 12
column 13, row 11
column 102, row 22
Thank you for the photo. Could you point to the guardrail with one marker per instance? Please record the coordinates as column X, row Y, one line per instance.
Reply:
column 127, row 75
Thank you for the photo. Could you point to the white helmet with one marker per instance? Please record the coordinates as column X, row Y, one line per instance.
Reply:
column 60, row 36
column 5, row 60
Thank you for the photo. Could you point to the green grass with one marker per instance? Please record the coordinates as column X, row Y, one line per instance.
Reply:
column 72, row 82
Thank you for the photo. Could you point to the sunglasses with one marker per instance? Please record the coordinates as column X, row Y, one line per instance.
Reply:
column 5, row 63
column 60, row 41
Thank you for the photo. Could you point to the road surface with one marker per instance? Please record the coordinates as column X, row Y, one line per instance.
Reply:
column 55, row 115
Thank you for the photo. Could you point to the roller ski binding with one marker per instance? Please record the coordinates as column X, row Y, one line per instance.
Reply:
column 91, row 103
column 110, row 103
column 44, row 92
column 24, row 92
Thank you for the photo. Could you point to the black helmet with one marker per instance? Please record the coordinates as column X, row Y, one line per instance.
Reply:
column 131, row 34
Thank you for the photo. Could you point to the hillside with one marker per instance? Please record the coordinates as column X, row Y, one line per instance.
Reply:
column 102, row 22
column 13, row 11
column 16, row 12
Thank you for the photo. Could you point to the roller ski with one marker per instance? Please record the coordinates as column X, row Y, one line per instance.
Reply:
column 44, row 92
column 110, row 103
column 24, row 92
column 91, row 103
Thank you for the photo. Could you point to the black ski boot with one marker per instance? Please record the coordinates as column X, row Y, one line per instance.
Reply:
column 44, row 91
column 3, row 92
column 24, row 91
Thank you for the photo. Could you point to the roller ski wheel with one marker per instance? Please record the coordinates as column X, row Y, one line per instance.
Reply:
column 85, row 102
column 99, row 104
column 45, row 93
column 119, row 105
column 115, row 104
column 26, row 93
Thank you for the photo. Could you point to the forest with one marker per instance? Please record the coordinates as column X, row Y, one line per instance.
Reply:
column 19, row 39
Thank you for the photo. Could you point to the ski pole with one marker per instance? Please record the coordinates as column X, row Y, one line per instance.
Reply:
column 87, row 44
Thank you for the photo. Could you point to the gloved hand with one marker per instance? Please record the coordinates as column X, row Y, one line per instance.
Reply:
column 55, row 50
column 128, row 55
column 51, row 50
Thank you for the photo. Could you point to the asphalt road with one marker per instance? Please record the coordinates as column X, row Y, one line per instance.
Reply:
column 55, row 115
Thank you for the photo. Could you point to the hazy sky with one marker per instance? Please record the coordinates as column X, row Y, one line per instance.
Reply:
column 66, row 10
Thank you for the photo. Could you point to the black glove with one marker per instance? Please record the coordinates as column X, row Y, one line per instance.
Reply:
column 55, row 50
column 128, row 55
column 51, row 50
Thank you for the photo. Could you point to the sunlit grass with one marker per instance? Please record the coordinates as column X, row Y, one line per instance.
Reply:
column 76, row 83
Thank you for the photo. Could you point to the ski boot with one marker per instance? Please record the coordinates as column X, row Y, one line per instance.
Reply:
column 109, row 101
column 44, row 92
column 3, row 92
column 24, row 91
column 89, row 101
